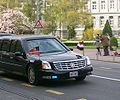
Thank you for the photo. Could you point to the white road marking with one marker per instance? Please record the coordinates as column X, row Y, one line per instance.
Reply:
column 107, row 78
column 106, row 68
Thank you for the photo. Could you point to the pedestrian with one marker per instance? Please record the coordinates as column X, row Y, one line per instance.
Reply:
column 105, row 42
column 98, row 44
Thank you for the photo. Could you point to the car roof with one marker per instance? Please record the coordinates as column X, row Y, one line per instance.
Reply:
column 27, row 37
column 6, row 35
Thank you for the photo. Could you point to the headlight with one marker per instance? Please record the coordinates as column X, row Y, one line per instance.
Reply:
column 88, row 60
column 45, row 65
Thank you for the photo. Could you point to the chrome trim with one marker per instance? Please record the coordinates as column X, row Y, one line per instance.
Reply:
column 69, row 60
column 66, row 65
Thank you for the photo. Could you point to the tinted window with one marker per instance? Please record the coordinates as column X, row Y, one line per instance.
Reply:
column 13, row 45
column 45, row 46
column 19, row 47
column 5, row 46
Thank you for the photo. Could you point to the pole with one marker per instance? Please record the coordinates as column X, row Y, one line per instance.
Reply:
column 37, row 16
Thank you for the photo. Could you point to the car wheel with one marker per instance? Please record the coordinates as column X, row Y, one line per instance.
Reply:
column 80, row 78
column 32, row 76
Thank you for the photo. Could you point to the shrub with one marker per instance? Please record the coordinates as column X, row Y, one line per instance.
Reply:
column 113, row 42
column 88, row 34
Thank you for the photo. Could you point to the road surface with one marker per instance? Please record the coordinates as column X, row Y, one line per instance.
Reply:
column 104, row 84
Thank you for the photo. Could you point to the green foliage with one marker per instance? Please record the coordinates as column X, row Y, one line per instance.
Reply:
column 25, row 31
column 89, row 23
column 97, row 31
column 113, row 41
column 71, row 32
column 11, row 3
column 68, row 13
column 107, row 29
column 88, row 34
column 58, row 37
column 48, row 28
column 29, row 10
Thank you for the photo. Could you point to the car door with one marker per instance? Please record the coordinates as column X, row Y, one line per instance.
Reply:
column 4, row 55
column 1, row 64
column 18, row 57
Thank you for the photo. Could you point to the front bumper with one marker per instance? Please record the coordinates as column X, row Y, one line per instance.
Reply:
column 53, row 74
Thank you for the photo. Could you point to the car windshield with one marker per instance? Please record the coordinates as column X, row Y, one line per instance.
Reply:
column 45, row 47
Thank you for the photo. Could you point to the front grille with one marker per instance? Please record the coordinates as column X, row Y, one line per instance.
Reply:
column 69, row 65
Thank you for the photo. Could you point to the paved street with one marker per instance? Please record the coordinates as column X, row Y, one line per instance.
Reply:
column 104, row 84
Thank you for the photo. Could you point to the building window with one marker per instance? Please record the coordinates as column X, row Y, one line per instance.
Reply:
column 111, row 21
column 111, row 4
column 94, row 5
column 102, row 20
column 119, row 21
column 102, row 4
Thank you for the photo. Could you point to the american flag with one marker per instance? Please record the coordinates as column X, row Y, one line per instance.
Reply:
column 34, row 51
column 80, row 46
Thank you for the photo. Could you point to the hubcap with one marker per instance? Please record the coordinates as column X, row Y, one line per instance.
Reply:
column 31, row 75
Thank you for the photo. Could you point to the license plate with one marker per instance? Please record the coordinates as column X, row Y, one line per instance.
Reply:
column 73, row 74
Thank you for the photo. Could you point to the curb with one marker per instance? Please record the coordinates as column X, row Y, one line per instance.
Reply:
column 105, row 60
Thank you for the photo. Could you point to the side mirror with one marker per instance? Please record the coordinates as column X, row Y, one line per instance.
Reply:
column 18, row 54
column 71, row 49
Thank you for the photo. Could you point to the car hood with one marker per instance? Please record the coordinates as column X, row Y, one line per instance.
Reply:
column 59, row 57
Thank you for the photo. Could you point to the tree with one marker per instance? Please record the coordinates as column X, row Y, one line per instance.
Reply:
column 71, row 33
column 88, row 34
column 12, row 21
column 48, row 28
column 30, row 8
column 107, row 29
column 11, row 3
column 68, row 12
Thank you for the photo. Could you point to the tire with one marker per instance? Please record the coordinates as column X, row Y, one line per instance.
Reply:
column 32, row 76
column 80, row 78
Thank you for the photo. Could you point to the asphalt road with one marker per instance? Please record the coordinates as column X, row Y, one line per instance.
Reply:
column 104, row 84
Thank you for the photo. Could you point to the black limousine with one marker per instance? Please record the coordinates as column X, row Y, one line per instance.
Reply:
column 42, row 57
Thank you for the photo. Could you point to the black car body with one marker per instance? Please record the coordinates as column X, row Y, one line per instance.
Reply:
column 5, row 35
column 42, row 57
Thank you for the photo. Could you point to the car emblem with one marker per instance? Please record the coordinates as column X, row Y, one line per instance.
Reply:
column 72, row 65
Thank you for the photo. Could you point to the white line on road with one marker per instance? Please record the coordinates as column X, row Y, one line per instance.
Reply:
column 107, row 78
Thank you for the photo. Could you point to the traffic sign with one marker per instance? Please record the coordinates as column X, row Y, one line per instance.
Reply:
column 38, row 25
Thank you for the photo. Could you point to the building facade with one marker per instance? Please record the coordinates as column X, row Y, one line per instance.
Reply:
column 103, row 10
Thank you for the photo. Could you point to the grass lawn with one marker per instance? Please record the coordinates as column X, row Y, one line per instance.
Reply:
column 92, row 47
column 88, row 47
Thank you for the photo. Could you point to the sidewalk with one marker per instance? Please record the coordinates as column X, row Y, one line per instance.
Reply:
column 91, row 53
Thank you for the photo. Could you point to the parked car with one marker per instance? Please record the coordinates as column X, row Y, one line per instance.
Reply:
column 42, row 57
